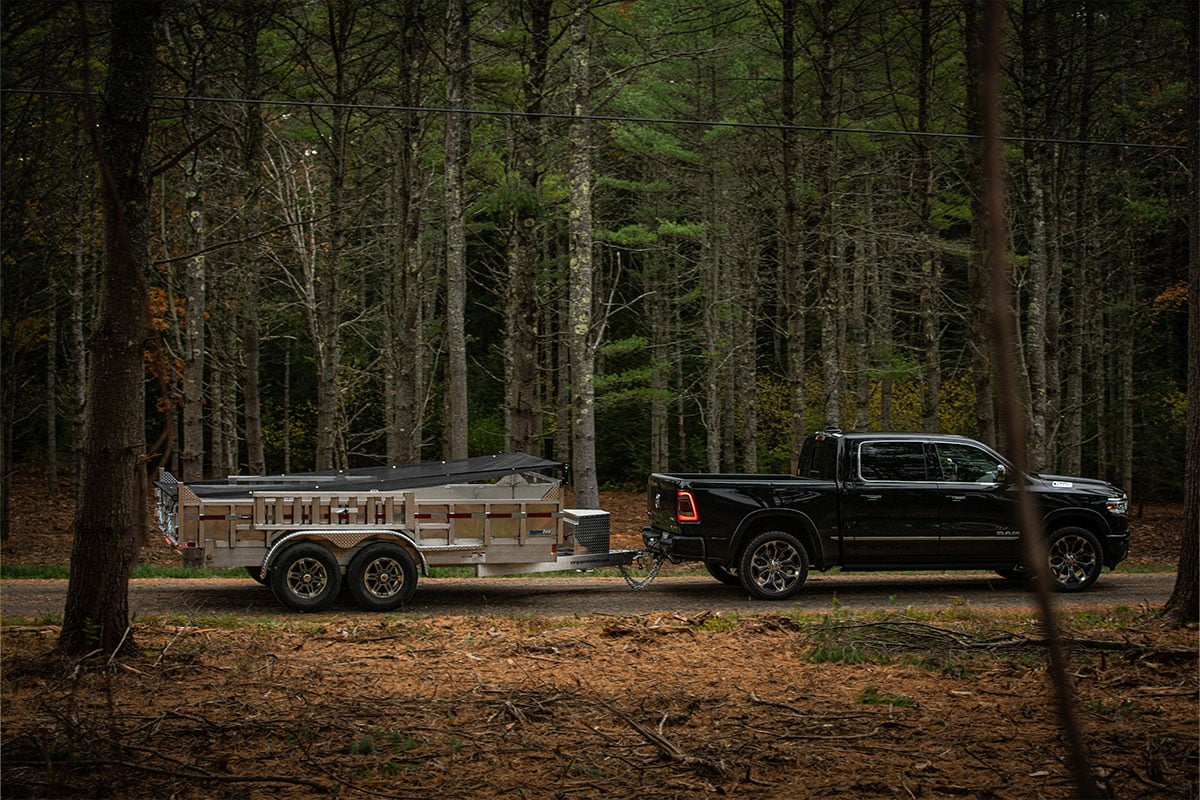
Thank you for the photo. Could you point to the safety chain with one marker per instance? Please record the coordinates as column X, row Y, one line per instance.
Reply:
column 640, row 560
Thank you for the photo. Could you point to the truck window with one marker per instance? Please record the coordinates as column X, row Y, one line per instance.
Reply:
column 963, row 463
column 818, row 458
column 892, row 461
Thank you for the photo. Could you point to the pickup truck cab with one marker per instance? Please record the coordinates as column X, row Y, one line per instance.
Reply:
column 879, row 502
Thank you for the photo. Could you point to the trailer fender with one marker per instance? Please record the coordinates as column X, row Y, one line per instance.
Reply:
column 344, row 539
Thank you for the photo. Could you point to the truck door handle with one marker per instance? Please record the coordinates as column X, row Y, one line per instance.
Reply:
column 956, row 498
column 872, row 497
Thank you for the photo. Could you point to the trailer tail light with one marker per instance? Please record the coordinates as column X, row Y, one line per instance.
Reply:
column 685, row 507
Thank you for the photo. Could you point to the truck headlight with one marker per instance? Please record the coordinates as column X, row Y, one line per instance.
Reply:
column 1117, row 505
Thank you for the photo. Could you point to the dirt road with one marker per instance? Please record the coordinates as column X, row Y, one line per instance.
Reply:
column 30, row 599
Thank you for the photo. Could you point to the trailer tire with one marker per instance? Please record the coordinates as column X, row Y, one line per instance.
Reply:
column 382, row 577
column 306, row 577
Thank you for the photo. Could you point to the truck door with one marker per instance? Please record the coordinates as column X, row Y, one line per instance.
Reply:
column 978, row 510
column 890, row 504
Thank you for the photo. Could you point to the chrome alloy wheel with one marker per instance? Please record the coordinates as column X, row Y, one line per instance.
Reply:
column 1074, row 561
column 383, row 577
column 773, row 565
column 307, row 578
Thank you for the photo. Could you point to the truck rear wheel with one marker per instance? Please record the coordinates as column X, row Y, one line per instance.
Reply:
column 773, row 566
column 306, row 577
column 725, row 574
column 382, row 577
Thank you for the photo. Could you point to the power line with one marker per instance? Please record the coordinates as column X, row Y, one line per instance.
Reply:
column 482, row 112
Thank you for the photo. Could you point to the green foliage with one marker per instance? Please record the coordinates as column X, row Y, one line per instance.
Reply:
column 871, row 695
column 683, row 214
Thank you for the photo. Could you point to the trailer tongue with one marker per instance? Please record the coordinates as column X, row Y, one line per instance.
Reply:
column 375, row 528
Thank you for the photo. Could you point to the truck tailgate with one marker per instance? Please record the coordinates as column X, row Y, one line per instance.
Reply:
column 662, row 501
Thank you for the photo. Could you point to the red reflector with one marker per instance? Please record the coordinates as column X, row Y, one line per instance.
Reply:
column 685, row 507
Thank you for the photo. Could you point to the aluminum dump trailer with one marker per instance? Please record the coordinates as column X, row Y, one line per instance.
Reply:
column 376, row 528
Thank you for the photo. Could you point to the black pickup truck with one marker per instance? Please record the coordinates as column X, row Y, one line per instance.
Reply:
column 882, row 501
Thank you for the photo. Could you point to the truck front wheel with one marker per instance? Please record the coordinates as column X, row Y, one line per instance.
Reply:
column 382, row 577
column 1075, row 559
column 773, row 566
column 306, row 577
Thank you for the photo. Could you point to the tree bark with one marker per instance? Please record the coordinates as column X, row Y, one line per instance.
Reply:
column 931, row 260
column 982, row 371
column 251, row 185
column 523, row 412
column 405, row 338
column 1183, row 607
column 791, row 262
column 457, row 142
column 111, row 507
column 579, row 315
column 195, row 348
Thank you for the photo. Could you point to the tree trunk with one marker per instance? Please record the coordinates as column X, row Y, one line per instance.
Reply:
column 716, row 309
column 931, row 260
column 80, row 274
column 827, row 256
column 977, row 276
column 1035, row 336
column 251, row 179
column 791, row 262
column 404, row 346
column 1184, row 605
column 111, row 507
column 659, row 304
column 522, row 407
column 51, row 392
column 579, row 315
column 457, row 143
column 195, row 350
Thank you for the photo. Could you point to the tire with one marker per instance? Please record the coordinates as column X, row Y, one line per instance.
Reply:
column 382, row 577
column 306, row 577
column 254, row 572
column 1075, row 559
column 724, row 573
column 1014, row 574
column 773, row 566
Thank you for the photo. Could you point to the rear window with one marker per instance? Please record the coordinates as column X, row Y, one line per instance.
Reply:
column 818, row 458
column 892, row 461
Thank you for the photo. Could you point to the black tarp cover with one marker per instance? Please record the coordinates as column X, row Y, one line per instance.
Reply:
column 382, row 479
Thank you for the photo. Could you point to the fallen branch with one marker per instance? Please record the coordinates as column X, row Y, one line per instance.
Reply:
column 669, row 750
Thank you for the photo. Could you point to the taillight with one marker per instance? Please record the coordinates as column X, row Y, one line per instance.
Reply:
column 685, row 507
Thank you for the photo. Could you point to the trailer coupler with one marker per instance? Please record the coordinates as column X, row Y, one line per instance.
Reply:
column 640, row 564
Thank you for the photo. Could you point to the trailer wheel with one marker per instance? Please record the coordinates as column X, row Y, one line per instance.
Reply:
column 306, row 577
column 382, row 577
column 773, row 566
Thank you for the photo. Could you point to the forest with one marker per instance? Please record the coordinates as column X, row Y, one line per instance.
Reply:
column 631, row 235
